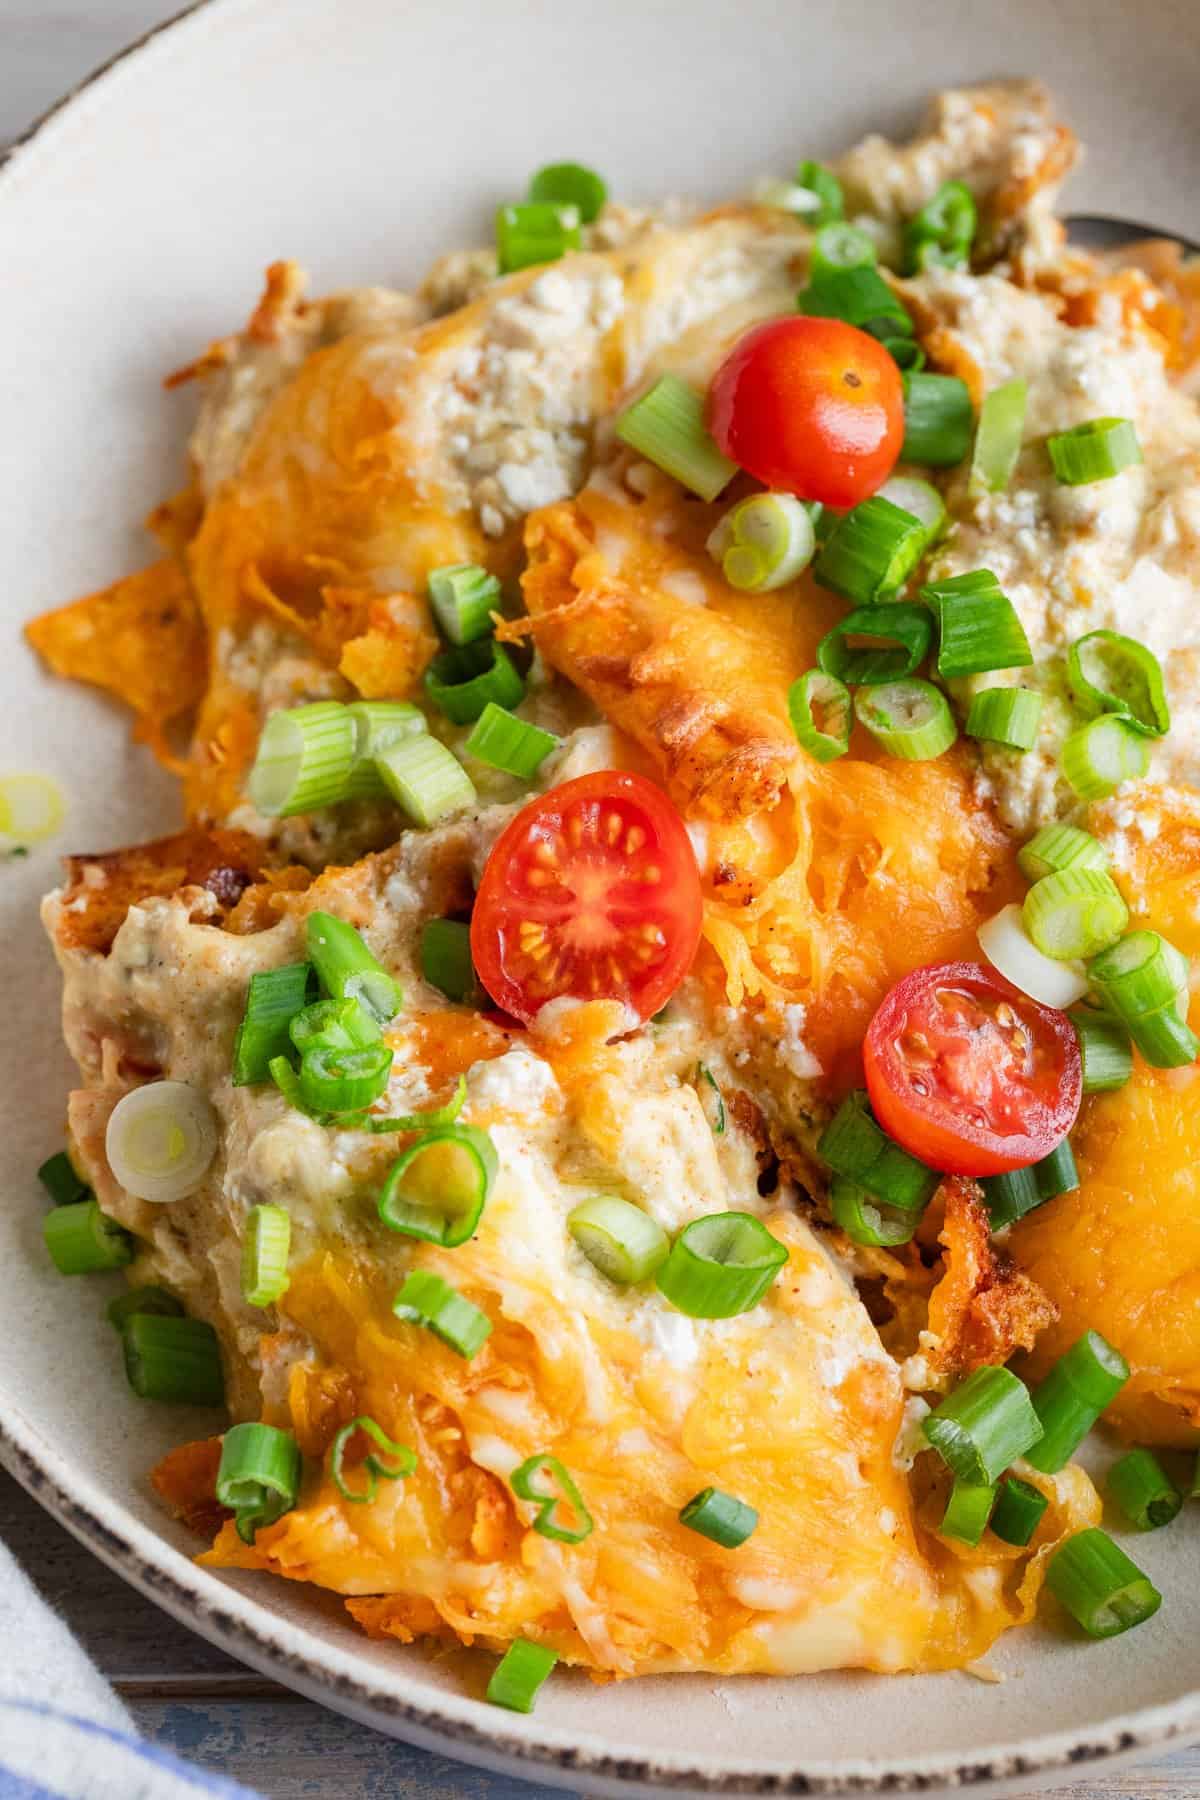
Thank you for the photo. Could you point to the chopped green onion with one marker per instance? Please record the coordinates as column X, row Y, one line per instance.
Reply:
column 265, row 1245
column 519, row 1674
column 871, row 551
column 907, row 354
column 1098, row 757
column 866, row 1220
column 721, row 1265
column 505, row 742
column 1100, row 1587
column 423, row 1121
column 425, row 1299
column 822, row 182
column 899, row 638
column 985, row 1424
column 710, row 1097
column 463, row 597
column 288, row 1082
column 921, row 499
column 998, row 437
column 764, row 542
column 438, row 1188
column 1109, row 673
column 938, row 420
column 1095, row 451
column 980, row 630
column 1010, row 1196
column 941, row 234
column 1006, row 715
column 854, row 1146
column 346, row 967
column 821, row 712
column 1137, row 978
column 273, row 999
column 1058, row 847
column 786, row 196
column 909, row 718
column 570, row 184
column 142, row 1300
column 719, row 1517
column 396, row 1462
column 334, row 1025
column 859, row 296
column 57, row 1175
column 1143, row 1490
column 82, row 1240
column 378, row 724
column 160, row 1140
column 333, row 1080
column 304, row 759
column 1104, row 1049
column 423, row 777
column 460, row 682
column 968, row 1509
column 446, row 962
column 1018, row 1511
column 1007, row 945
column 535, row 232
column 543, row 1480
column 173, row 1359
column 839, row 246
column 666, row 426
column 259, row 1476
column 1074, row 913
column 1071, row 1398
column 618, row 1238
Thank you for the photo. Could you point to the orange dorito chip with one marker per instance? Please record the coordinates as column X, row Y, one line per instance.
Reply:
column 141, row 639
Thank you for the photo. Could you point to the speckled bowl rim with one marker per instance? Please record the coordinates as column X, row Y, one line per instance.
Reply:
column 457, row 1725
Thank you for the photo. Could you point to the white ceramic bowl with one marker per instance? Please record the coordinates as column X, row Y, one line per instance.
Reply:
column 363, row 136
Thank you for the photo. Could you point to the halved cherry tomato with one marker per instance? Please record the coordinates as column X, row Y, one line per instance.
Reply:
column 969, row 1074
column 811, row 407
column 593, row 891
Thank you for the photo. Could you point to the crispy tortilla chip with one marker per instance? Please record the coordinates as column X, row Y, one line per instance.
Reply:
column 186, row 1479
column 982, row 1309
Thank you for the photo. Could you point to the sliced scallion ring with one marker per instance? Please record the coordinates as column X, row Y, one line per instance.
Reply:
column 347, row 968
column 1110, row 673
column 840, row 246
column 1071, row 1398
column 719, row 1517
column 503, row 741
column 424, row 778
column 619, row 1239
column 546, row 1484
column 437, row 1189
column 666, row 426
column 1105, row 1050
column 1143, row 1490
column 446, row 961
column 985, row 1424
column 1074, row 913
column 824, row 184
column 1094, row 451
column 334, row 1025
column 764, row 542
column 82, row 1240
column 259, row 1476
column 871, row 551
column 519, row 1674
column 175, row 1360
column 426, row 1299
column 273, row 999
column 867, row 1220
column 59, row 1178
column 570, row 184
column 968, row 1510
column 335, row 1080
column 536, row 232
column 1099, row 757
column 979, row 629
column 1057, row 847
column 1009, row 948
column 721, row 1265
column 938, row 420
column 910, row 719
column 1138, row 980
column 1005, row 715
column 1100, row 1587
column 998, row 436
column 304, row 759
column 160, row 1140
column 388, row 1461
column 463, row 597
column 860, row 296
column 822, row 714
column 1010, row 1196
column 378, row 724
column 855, row 1147
column 940, row 235
column 1018, row 1511
column 921, row 499
column 899, row 638
column 266, row 1241
column 461, row 681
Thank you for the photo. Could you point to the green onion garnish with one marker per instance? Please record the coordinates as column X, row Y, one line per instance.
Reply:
column 1074, row 913
column 618, row 1238
column 941, row 234
column 998, row 437
column 1138, row 980
column 1109, row 673
column 1095, row 451
column 304, row 759
column 1018, row 1511
column 860, row 296
column 446, row 960
column 139, row 1300
column 570, row 184
column 562, row 1515
column 1005, row 715
column 463, row 597
column 898, row 634
column 259, row 1476
column 821, row 712
column 288, row 1082
column 395, row 1462
column 866, row 1220
column 1105, row 1050
column 1010, row 1196
column 839, row 246
column 273, row 999
column 1098, row 757
column 57, row 1175
column 422, row 776
column 921, row 499
column 407, row 1122
column 1071, row 1398
column 1006, row 944
column 985, row 1424
column 1099, row 1586
column 667, row 427
column 266, row 1242
column 173, row 1359
column 712, row 1100
column 853, row 1145
column 519, row 1674
column 437, row 1189
column 505, row 742
column 871, row 551
column 938, row 421
column 82, row 1240
column 979, row 627
column 334, row 1025
column 1057, row 847
column 911, row 719
column 378, row 724
column 346, row 967
column 721, row 1265
column 333, row 1080
column 764, row 542
column 906, row 353
column 822, row 182
column 968, row 1509
column 462, row 681
column 534, row 233
column 719, row 1517
column 1145, row 1493
column 425, row 1299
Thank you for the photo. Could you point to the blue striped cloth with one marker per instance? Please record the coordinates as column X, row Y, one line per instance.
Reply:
column 64, row 1734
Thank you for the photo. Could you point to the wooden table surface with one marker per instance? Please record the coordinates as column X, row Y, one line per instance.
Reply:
column 185, row 1695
